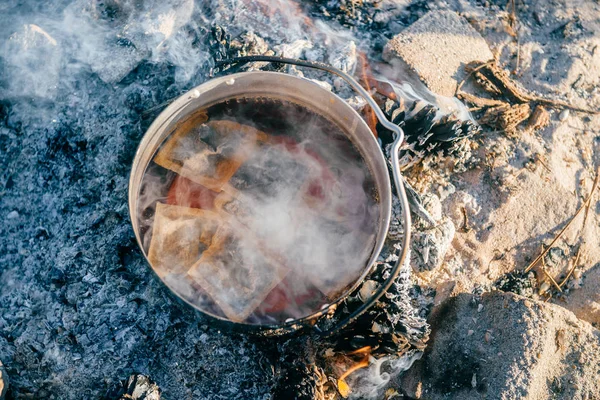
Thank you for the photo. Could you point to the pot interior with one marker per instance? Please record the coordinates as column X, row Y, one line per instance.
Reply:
column 259, row 208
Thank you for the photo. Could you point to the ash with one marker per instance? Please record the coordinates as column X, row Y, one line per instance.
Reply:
column 80, row 82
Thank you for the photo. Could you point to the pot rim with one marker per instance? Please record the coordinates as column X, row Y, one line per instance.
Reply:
column 164, row 124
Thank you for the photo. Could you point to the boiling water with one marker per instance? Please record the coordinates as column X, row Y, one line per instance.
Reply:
column 258, row 211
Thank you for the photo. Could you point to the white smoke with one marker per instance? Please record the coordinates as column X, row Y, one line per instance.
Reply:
column 371, row 382
column 111, row 38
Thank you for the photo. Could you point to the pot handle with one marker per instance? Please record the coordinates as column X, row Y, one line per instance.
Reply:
column 398, row 180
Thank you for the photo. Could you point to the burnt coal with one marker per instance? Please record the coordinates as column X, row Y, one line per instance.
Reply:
column 393, row 326
column 518, row 282
column 298, row 375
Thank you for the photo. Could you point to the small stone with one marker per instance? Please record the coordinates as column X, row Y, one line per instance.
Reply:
column 480, row 308
column 564, row 114
column 12, row 215
column 140, row 387
column 544, row 288
column 474, row 381
column 437, row 47
column 488, row 336
column 470, row 332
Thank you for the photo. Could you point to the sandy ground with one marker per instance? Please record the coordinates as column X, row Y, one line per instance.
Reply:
column 526, row 189
column 502, row 346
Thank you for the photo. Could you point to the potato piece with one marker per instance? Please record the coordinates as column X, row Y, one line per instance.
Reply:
column 211, row 153
column 179, row 236
column 235, row 273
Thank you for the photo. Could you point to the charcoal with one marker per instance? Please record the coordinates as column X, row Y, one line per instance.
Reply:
column 391, row 327
column 225, row 47
column 366, row 17
column 518, row 282
column 298, row 376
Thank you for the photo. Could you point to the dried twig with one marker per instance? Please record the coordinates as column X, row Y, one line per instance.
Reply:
column 465, row 228
column 539, row 159
column 558, row 236
column 494, row 76
column 471, row 72
column 481, row 101
column 518, row 61
column 572, row 268
column 364, row 80
column 589, row 205
column 552, row 280
column 514, row 31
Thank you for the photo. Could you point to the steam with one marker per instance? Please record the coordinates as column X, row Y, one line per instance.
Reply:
column 296, row 200
column 327, row 239
column 370, row 383
column 111, row 38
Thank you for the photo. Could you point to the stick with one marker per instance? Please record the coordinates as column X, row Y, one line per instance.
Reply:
column 516, row 70
column 515, row 29
column 550, row 276
column 572, row 268
column 584, row 205
column 480, row 67
column 589, row 205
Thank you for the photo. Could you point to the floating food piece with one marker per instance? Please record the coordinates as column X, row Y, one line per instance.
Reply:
column 187, row 193
column 179, row 236
column 211, row 153
column 293, row 297
column 229, row 202
column 235, row 273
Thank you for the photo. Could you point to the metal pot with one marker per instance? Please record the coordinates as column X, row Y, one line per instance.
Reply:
column 305, row 93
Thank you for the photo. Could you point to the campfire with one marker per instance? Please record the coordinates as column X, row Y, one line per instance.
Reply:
column 268, row 195
column 265, row 206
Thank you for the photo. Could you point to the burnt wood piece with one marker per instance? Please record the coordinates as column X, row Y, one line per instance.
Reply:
column 299, row 376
